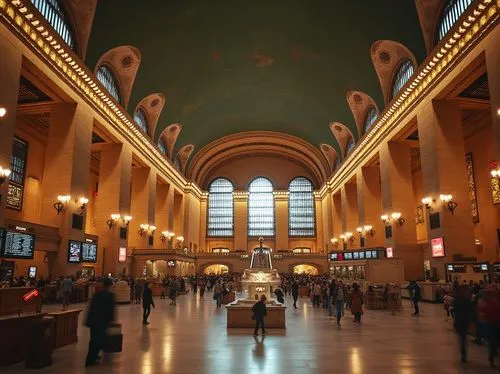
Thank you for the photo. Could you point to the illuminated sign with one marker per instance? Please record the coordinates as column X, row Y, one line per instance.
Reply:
column 89, row 240
column 122, row 254
column 437, row 246
column 389, row 252
column 20, row 228
column 28, row 296
column 260, row 289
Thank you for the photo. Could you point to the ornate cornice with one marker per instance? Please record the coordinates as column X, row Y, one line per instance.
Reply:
column 33, row 30
column 481, row 16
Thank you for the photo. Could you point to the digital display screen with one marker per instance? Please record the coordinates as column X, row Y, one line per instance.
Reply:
column 374, row 254
column 484, row 267
column 356, row 255
column 32, row 272
column 74, row 252
column 449, row 267
column 122, row 254
column 89, row 252
column 389, row 252
column 437, row 246
column 18, row 245
column 2, row 239
column 368, row 254
column 348, row 256
column 333, row 256
column 362, row 255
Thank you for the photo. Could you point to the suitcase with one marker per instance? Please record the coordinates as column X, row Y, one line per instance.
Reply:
column 114, row 339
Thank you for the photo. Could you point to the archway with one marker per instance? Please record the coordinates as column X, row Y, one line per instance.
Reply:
column 305, row 269
column 216, row 269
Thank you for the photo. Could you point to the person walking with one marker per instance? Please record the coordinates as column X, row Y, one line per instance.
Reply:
column 202, row 289
column 101, row 313
column 67, row 288
column 218, row 293
column 316, row 294
column 489, row 315
column 259, row 312
column 295, row 293
column 147, row 302
column 280, row 295
column 356, row 302
column 172, row 293
column 462, row 307
column 340, row 296
column 331, row 296
column 415, row 297
column 138, row 291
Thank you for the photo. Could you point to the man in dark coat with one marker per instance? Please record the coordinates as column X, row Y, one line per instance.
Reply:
column 295, row 293
column 147, row 301
column 462, row 307
column 259, row 312
column 415, row 296
column 101, row 313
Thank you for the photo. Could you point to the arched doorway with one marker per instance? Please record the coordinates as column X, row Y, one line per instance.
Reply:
column 216, row 269
column 305, row 269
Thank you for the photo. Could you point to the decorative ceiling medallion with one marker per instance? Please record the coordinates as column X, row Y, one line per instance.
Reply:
column 127, row 61
column 338, row 128
column 357, row 99
column 384, row 57
column 155, row 102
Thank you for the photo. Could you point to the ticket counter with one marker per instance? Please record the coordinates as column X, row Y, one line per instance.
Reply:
column 468, row 271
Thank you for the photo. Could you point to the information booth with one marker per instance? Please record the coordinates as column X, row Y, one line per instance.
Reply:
column 370, row 265
column 468, row 271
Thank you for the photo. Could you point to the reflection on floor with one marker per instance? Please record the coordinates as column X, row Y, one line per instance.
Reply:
column 192, row 338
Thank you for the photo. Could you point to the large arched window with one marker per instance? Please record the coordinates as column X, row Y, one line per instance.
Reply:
column 108, row 80
column 451, row 13
column 301, row 216
column 403, row 74
column 371, row 118
column 141, row 120
column 350, row 146
column 54, row 14
column 260, row 208
column 220, row 208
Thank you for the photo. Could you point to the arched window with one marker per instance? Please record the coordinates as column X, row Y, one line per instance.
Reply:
column 162, row 147
column 141, row 120
column 54, row 14
column 451, row 13
column 260, row 208
column 404, row 73
column 301, row 216
column 220, row 208
column 107, row 78
column 371, row 117
column 350, row 146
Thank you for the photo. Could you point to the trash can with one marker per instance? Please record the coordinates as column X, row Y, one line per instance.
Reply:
column 40, row 343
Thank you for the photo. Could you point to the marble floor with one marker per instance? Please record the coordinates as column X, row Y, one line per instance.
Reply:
column 192, row 338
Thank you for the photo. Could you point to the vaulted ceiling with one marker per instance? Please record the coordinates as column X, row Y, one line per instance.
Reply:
column 227, row 66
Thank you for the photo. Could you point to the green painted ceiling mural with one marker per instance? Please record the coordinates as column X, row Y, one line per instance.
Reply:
column 232, row 65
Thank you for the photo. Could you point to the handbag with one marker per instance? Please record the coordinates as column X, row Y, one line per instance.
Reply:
column 113, row 342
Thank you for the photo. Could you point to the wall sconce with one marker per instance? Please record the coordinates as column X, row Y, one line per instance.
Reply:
column 152, row 229
column 143, row 227
column 396, row 216
column 3, row 112
column 360, row 231
column 369, row 229
column 164, row 235
column 448, row 201
column 180, row 240
column 385, row 219
column 349, row 236
column 342, row 237
column 112, row 221
column 427, row 201
column 83, row 201
column 4, row 174
column 62, row 200
column 495, row 173
column 126, row 220
column 335, row 242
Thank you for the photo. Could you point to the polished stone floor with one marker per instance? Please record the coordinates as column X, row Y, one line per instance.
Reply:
column 192, row 338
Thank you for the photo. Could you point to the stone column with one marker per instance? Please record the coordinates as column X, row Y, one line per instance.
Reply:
column 492, row 53
column 442, row 155
column 281, row 219
column 241, row 220
column 179, row 211
column 322, row 244
column 10, row 73
column 350, row 213
column 337, row 219
column 326, row 218
column 67, row 172
column 161, row 214
column 397, row 196
column 203, row 223
column 113, row 197
column 142, row 205
column 370, row 204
